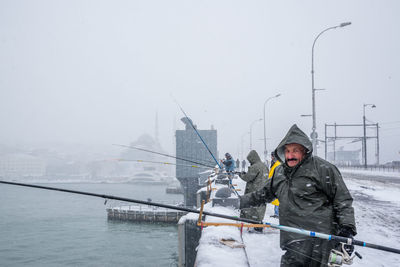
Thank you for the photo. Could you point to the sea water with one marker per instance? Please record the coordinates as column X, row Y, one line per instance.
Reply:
column 49, row 228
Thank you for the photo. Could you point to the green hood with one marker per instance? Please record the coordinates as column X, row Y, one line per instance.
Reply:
column 294, row 136
column 253, row 157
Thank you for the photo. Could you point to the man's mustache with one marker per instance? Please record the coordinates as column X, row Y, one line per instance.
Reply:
column 292, row 159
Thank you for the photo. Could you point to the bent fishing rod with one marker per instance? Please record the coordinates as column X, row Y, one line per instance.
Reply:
column 166, row 155
column 197, row 132
column 341, row 239
column 201, row 138
column 160, row 162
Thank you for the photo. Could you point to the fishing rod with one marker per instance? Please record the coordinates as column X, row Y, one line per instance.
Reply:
column 345, row 240
column 159, row 162
column 166, row 155
column 201, row 138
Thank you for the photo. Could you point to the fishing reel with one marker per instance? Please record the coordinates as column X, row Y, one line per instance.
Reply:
column 341, row 256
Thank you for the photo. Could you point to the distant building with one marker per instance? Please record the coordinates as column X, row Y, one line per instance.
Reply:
column 345, row 157
column 111, row 169
column 189, row 146
column 394, row 163
column 147, row 142
column 21, row 165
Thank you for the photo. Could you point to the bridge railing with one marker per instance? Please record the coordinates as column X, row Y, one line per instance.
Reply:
column 381, row 168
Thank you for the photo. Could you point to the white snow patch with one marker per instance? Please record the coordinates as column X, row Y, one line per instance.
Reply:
column 377, row 211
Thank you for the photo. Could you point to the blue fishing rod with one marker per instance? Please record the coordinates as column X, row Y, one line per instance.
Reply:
column 194, row 128
column 341, row 239
column 197, row 132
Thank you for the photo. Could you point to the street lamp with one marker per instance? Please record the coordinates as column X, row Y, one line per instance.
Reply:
column 365, row 134
column 251, row 126
column 314, row 134
column 265, row 138
column 241, row 142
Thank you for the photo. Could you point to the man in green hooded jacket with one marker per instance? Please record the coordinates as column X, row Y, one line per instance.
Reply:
column 312, row 196
column 256, row 179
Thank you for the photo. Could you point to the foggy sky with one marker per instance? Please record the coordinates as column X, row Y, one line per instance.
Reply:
column 96, row 72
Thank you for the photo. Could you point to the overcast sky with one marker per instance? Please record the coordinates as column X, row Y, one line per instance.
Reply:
column 96, row 72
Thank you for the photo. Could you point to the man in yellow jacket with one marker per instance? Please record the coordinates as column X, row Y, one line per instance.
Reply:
column 274, row 163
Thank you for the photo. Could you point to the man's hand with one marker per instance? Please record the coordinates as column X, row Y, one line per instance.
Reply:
column 346, row 231
column 349, row 249
column 241, row 202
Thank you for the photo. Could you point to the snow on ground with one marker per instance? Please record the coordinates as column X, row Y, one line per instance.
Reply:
column 367, row 172
column 377, row 210
column 372, row 175
column 210, row 251
column 263, row 249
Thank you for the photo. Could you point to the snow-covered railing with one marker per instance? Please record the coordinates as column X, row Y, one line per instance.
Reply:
column 125, row 206
column 382, row 168
column 120, row 210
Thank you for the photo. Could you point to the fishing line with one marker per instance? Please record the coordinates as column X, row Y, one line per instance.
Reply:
column 197, row 132
column 160, row 162
column 341, row 239
column 166, row 155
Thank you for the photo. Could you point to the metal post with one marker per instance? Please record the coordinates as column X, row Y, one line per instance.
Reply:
column 377, row 144
column 334, row 146
column 251, row 126
column 365, row 134
column 365, row 141
column 326, row 143
column 250, row 147
column 241, row 142
column 314, row 134
column 265, row 137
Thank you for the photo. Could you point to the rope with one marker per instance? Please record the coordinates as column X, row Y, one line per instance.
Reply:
column 244, row 248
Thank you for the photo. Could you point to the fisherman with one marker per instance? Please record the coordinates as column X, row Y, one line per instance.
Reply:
column 255, row 178
column 313, row 197
column 243, row 165
column 274, row 163
column 229, row 163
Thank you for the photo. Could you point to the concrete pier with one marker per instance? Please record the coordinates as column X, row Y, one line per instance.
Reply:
column 188, row 240
column 144, row 213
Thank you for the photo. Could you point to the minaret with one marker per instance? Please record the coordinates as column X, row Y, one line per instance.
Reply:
column 156, row 129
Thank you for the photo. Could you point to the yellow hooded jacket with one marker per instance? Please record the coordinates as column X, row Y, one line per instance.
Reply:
column 270, row 174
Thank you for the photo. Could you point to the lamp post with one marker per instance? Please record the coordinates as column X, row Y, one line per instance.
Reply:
column 241, row 142
column 251, row 127
column 314, row 134
column 365, row 134
column 265, row 138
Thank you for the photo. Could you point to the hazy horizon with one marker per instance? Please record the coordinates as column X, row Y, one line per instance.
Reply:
column 98, row 72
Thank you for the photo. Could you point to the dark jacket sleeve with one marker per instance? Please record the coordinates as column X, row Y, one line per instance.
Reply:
column 258, row 197
column 250, row 175
column 341, row 199
column 227, row 163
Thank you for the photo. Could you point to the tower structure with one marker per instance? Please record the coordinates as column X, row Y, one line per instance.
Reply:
column 189, row 146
